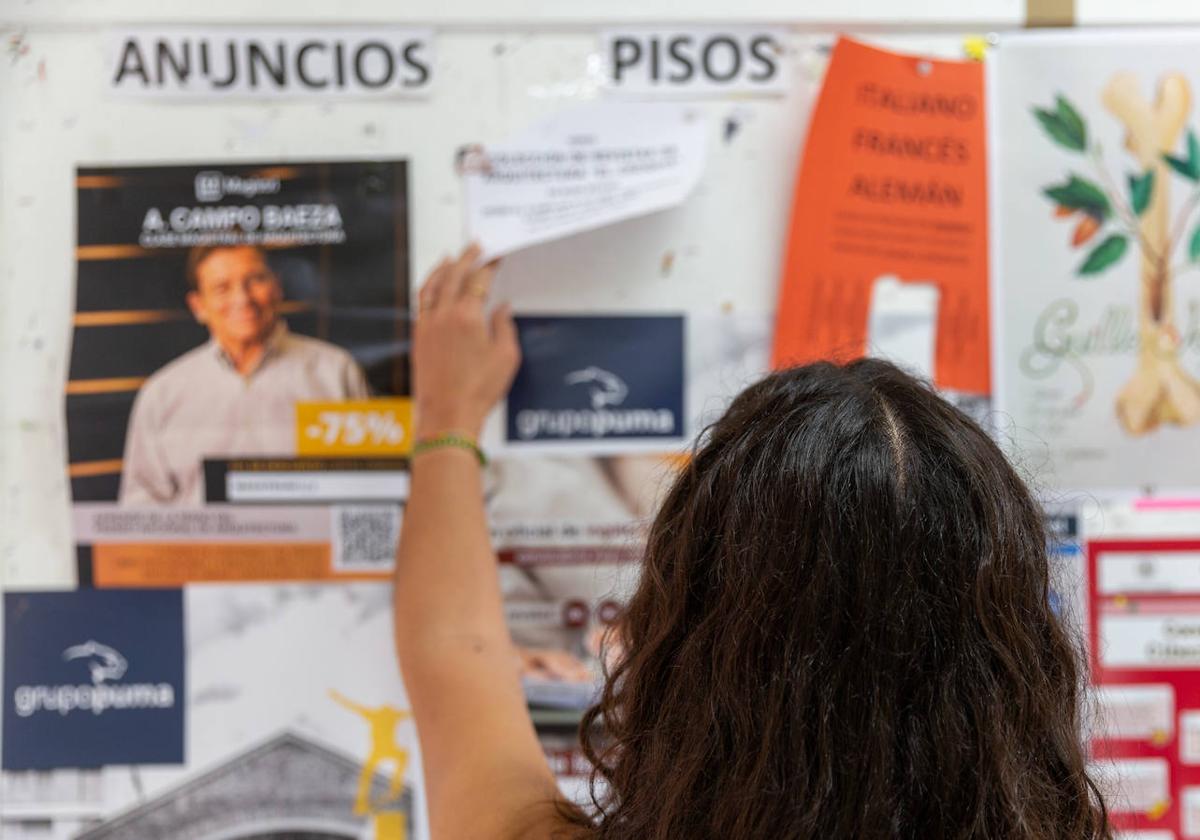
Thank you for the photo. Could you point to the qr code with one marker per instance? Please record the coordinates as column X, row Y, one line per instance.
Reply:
column 365, row 537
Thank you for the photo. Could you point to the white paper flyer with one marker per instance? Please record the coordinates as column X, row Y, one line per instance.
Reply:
column 579, row 170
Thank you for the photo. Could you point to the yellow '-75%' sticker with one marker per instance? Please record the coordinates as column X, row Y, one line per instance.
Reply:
column 354, row 427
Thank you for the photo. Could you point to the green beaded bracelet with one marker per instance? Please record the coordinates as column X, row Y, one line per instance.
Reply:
column 450, row 439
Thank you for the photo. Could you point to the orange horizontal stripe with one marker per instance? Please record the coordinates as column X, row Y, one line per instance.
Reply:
column 87, row 469
column 124, row 317
column 105, row 386
column 174, row 564
column 283, row 173
column 87, row 253
column 95, row 182
column 109, row 252
column 119, row 317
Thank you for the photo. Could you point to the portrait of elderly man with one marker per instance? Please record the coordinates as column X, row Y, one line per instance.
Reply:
column 236, row 394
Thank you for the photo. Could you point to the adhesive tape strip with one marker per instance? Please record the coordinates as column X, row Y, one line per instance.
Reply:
column 1049, row 12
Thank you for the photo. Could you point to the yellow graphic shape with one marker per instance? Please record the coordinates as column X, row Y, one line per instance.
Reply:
column 349, row 428
column 390, row 826
column 1159, row 808
column 1160, row 737
column 383, row 721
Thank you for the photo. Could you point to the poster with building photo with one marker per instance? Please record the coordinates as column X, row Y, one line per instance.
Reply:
column 321, row 744
column 1096, row 261
column 568, row 531
column 240, row 338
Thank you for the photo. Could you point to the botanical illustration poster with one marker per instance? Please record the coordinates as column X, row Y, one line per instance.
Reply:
column 1095, row 144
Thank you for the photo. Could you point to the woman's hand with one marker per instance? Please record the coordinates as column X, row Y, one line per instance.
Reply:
column 463, row 362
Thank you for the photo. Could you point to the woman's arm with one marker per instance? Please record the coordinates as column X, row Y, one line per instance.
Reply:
column 485, row 774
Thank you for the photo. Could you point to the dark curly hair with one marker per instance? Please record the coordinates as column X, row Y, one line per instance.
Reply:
column 843, row 630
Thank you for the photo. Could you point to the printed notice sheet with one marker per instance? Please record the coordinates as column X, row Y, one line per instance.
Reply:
column 579, row 170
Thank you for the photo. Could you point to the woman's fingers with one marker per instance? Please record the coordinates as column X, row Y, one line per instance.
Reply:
column 431, row 294
column 456, row 274
column 462, row 363
column 477, row 286
column 454, row 280
column 504, row 336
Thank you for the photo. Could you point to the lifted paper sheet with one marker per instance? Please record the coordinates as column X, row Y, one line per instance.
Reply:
column 579, row 170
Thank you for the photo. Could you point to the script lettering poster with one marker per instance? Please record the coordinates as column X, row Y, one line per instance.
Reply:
column 892, row 184
column 1096, row 167
column 1144, row 624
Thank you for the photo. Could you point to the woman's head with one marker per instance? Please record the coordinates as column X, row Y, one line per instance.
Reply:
column 843, row 630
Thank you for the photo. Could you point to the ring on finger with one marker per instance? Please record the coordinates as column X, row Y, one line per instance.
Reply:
column 479, row 290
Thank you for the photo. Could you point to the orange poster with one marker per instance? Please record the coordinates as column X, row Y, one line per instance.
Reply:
column 893, row 183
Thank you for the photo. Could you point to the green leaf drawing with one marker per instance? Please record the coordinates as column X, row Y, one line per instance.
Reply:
column 1105, row 254
column 1194, row 245
column 1140, row 188
column 1070, row 118
column 1064, row 125
column 1181, row 166
column 1188, row 167
column 1080, row 194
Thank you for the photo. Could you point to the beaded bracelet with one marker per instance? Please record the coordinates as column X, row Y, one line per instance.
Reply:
column 450, row 439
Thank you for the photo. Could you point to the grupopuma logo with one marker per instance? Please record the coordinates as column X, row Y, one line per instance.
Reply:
column 106, row 667
column 92, row 677
column 591, row 377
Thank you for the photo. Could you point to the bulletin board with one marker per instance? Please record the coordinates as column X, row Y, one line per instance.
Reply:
column 74, row 160
column 494, row 72
column 488, row 84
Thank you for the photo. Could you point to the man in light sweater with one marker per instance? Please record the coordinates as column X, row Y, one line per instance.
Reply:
column 236, row 394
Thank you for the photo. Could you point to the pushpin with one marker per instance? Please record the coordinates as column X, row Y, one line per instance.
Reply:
column 975, row 47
